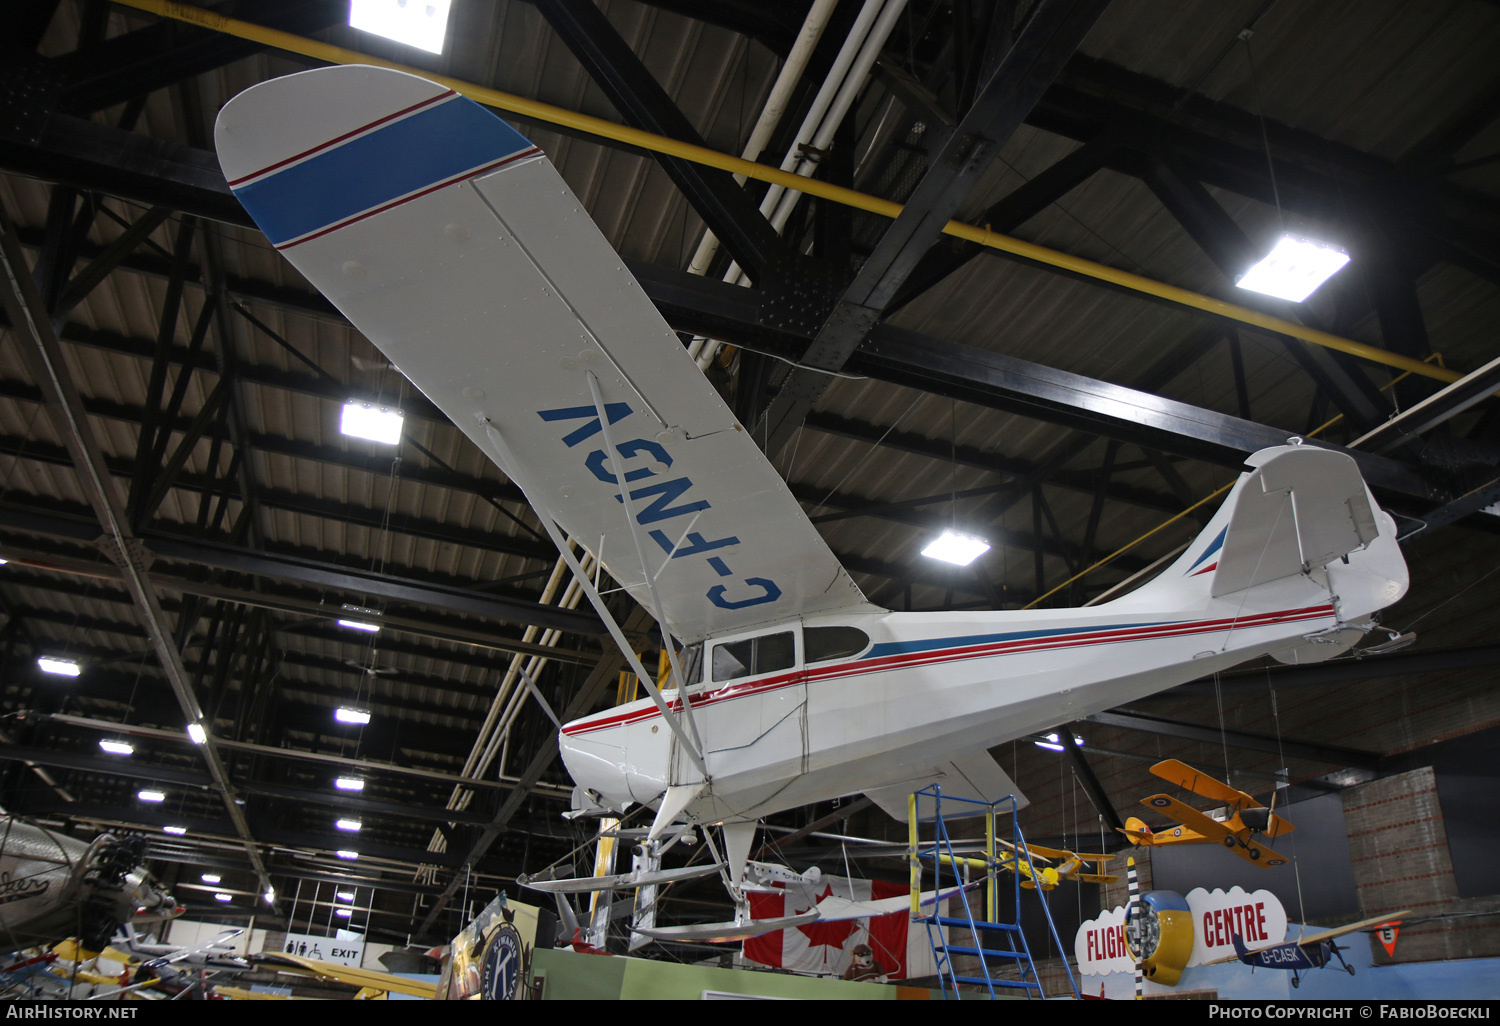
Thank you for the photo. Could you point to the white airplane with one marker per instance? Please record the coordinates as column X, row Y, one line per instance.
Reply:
column 454, row 245
column 217, row 953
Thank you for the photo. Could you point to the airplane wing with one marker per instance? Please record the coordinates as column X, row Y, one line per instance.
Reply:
column 347, row 974
column 974, row 776
column 454, row 245
column 1212, row 830
column 1189, row 779
column 1363, row 924
column 620, row 881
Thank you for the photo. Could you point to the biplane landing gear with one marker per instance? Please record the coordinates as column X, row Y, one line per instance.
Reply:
column 1254, row 854
column 1230, row 842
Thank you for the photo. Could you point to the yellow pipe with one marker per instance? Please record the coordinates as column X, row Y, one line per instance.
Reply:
column 546, row 112
column 992, row 907
column 911, row 854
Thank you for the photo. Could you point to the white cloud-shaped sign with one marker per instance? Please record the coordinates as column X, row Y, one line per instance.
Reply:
column 1258, row 918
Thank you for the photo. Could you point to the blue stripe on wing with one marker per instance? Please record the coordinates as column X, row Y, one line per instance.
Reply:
column 406, row 156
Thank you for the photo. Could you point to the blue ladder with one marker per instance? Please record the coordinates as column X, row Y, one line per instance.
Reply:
column 998, row 942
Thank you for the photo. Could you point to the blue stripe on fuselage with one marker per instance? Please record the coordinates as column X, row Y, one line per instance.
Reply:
column 390, row 162
column 890, row 648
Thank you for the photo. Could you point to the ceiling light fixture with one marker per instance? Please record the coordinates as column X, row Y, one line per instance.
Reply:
column 346, row 854
column 345, row 714
column 1294, row 269
column 210, row 878
column 349, row 783
column 351, row 825
column 423, row 25
column 343, row 912
column 221, row 896
column 958, row 549
column 151, row 796
column 117, row 747
column 356, row 625
column 196, row 733
column 1054, row 744
column 61, row 667
column 178, row 830
column 378, row 424
column 270, row 896
column 344, row 895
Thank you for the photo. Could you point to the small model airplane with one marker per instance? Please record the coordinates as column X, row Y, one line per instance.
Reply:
column 217, row 953
column 457, row 249
column 1310, row 952
column 1048, row 877
column 1246, row 817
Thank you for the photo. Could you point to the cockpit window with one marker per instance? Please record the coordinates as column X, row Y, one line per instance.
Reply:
column 690, row 663
column 823, row 643
column 752, row 656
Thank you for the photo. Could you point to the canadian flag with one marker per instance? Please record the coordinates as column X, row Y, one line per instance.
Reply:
column 901, row 947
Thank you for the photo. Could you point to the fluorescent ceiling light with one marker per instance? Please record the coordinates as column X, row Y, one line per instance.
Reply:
column 349, row 783
column 1294, row 269
column 151, row 796
column 179, row 831
column 344, row 895
column 210, row 878
column 419, row 23
column 350, row 855
column 1054, row 743
column 955, row 548
column 345, row 912
column 351, row 825
column 117, row 747
column 4, row 561
column 361, row 420
column 196, row 733
column 221, row 896
column 356, row 625
column 63, row 667
column 345, row 714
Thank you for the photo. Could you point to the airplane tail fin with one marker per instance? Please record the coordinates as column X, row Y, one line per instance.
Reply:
column 1239, row 948
column 1137, row 831
column 1297, row 509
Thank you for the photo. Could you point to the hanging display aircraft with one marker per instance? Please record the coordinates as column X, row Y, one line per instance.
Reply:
column 1072, row 867
column 1310, row 952
column 1243, row 818
column 453, row 244
column 53, row 886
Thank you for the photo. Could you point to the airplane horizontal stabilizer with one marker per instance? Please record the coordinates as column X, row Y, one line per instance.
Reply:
column 619, row 881
column 727, row 933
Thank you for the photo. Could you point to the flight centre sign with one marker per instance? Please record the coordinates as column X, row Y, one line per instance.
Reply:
column 1258, row 918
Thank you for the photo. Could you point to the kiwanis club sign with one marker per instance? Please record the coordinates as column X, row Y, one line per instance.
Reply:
column 1217, row 916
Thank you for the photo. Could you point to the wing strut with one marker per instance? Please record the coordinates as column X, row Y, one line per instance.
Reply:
column 510, row 464
column 640, row 554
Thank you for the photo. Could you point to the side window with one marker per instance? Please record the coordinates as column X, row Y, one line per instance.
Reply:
column 690, row 662
column 765, row 654
column 822, row 643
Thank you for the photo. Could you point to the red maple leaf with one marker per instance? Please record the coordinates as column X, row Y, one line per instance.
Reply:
column 831, row 934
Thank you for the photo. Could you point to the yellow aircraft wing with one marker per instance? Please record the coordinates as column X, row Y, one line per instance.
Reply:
column 1211, row 830
column 348, row 974
column 1184, row 776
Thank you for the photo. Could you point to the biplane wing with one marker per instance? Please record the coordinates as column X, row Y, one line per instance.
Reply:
column 1212, row 830
column 620, row 881
column 453, row 244
column 1190, row 779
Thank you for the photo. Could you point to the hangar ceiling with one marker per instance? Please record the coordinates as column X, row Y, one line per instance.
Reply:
column 181, row 516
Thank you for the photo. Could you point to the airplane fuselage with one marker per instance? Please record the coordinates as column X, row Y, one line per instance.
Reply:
column 924, row 687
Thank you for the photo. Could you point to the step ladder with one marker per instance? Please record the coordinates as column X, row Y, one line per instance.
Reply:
column 998, row 942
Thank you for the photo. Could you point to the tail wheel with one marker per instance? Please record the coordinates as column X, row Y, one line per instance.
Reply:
column 1296, row 982
column 1350, row 969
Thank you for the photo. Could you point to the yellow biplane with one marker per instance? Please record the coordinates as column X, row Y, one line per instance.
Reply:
column 1243, row 817
column 1048, row 877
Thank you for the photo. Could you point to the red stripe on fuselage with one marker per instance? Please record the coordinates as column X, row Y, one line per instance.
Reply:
column 906, row 660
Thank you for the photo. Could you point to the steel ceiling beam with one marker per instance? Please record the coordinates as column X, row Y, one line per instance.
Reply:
column 1292, row 748
column 1051, row 34
column 43, row 354
column 726, row 209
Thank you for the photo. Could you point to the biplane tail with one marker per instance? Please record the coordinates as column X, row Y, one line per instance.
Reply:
column 1296, row 510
